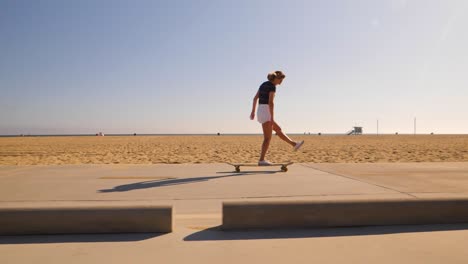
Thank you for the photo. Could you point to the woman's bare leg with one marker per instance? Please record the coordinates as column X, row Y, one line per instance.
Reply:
column 283, row 136
column 267, row 131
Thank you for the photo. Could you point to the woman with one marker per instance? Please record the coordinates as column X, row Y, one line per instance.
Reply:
column 265, row 114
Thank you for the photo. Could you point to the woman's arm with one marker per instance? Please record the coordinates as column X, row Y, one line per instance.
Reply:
column 254, row 105
column 271, row 104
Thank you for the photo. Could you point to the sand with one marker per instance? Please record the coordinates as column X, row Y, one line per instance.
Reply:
column 216, row 149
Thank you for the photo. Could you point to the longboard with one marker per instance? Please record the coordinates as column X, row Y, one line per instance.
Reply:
column 284, row 166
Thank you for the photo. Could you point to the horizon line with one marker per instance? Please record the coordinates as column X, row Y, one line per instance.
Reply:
column 214, row 134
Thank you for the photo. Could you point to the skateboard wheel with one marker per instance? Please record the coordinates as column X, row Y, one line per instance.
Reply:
column 237, row 169
column 283, row 168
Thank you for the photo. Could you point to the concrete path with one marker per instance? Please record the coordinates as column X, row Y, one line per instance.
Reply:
column 196, row 192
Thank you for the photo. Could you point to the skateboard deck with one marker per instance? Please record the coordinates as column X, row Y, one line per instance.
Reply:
column 284, row 166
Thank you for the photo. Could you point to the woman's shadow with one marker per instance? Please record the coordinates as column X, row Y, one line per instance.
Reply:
column 170, row 182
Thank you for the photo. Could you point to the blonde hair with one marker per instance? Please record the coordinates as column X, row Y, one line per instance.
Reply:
column 276, row 75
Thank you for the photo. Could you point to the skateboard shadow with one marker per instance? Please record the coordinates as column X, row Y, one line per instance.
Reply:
column 171, row 182
column 216, row 234
column 77, row 238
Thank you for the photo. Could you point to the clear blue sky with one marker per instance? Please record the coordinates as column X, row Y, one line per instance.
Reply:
column 194, row 66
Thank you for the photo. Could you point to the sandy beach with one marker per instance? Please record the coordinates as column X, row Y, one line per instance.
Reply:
column 218, row 149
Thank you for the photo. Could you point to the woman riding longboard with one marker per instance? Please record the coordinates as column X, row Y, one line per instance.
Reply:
column 265, row 115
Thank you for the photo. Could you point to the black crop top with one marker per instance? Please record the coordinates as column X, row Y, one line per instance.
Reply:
column 265, row 90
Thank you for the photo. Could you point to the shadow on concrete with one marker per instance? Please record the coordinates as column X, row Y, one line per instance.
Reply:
column 216, row 234
column 77, row 238
column 170, row 182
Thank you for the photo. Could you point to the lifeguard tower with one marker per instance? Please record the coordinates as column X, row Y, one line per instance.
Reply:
column 355, row 131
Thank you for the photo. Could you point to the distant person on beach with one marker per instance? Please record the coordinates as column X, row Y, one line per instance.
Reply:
column 265, row 114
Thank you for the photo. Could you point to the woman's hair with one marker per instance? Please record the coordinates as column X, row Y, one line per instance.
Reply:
column 276, row 75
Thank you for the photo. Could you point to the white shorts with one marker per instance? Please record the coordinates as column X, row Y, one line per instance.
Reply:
column 263, row 113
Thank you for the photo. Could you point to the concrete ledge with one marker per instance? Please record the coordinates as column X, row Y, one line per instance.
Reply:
column 339, row 213
column 82, row 218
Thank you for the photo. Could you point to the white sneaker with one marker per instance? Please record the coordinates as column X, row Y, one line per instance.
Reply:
column 298, row 145
column 264, row 163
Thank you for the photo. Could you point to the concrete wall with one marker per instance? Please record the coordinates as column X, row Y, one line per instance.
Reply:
column 300, row 214
column 84, row 218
